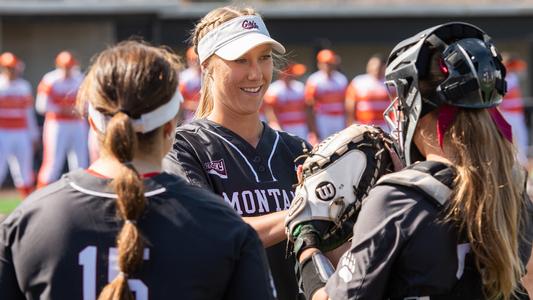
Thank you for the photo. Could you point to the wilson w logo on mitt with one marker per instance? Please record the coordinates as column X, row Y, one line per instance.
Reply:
column 336, row 176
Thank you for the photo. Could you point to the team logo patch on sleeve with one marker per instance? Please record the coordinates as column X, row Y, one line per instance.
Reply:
column 216, row 167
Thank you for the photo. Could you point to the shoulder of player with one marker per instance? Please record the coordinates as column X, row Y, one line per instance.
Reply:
column 79, row 76
column 338, row 76
column 296, row 84
column 512, row 79
column 194, row 133
column 188, row 74
column 199, row 202
column 393, row 198
column 193, row 127
column 51, row 76
column 399, row 207
column 37, row 204
column 201, row 130
column 293, row 142
column 360, row 79
column 316, row 76
column 22, row 83
column 275, row 86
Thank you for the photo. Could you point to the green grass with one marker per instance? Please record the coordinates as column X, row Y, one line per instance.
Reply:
column 8, row 204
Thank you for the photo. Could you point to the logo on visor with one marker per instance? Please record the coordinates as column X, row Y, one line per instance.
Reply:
column 247, row 24
column 216, row 167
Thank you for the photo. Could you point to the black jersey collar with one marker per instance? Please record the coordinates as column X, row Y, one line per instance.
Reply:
column 89, row 184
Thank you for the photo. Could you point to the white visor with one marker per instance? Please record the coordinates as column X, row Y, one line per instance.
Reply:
column 148, row 121
column 234, row 38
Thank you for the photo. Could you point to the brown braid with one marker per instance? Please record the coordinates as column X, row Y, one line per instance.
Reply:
column 124, row 82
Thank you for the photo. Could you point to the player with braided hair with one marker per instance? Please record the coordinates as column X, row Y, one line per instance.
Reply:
column 456, row 223
column 122, row 227
column 227, row 149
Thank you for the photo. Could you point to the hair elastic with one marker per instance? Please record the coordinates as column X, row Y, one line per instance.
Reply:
column 122, row 110
column 128, row 163
column 132, row 222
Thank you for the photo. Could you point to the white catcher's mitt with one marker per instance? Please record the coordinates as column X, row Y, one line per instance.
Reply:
column 337, row 175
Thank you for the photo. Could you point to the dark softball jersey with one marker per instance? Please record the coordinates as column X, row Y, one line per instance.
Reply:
column 401, row 249
column 253, row 181
column 60, row 244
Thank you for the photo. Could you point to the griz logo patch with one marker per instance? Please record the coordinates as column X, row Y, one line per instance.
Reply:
column 216, row 167
column 249, row 24
column 325, row 191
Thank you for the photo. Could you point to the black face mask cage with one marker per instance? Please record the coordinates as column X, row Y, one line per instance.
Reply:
column 401, row 78
column 409, row 62
column 394, row 114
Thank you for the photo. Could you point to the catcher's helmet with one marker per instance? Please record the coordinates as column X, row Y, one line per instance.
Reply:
column 470, row 65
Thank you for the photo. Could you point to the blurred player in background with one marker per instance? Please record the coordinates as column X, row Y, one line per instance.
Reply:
column 512, row 106
column 189, row 86
column 227, row 149
column 64, row 131
column 285, row 102
column 366, row 96
column 19, row 133
column 325, row 96
column 122, row 225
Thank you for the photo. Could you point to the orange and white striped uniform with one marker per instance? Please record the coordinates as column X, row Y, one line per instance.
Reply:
column 371, row 100
column 512, row 108
column 512, row 101
column 327, row 94
column 189, row 87
column 18, row 129
column 288, row 103
column 64, row 132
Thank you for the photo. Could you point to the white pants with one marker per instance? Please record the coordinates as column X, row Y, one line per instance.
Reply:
column 520, row 134
column 327, row 125
column 16, row 151
column 299, row 130
column 63, row 139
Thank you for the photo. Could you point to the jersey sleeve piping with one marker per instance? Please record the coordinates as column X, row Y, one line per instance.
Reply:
column 272, row 154
column 110, row 195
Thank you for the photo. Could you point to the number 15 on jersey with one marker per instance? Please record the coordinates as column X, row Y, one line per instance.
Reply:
column 87, row 260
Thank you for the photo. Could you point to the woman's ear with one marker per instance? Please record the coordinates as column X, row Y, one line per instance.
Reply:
column 204, row 66
column 170, row 126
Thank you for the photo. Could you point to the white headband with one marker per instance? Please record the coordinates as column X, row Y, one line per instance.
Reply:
column 148, row 121
column 236, row 37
